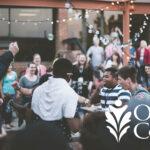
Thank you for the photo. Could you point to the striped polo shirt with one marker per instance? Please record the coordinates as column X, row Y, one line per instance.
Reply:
column 110, row 95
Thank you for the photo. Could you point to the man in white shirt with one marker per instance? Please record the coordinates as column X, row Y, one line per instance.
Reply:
column 55, row 99
column 96, row 54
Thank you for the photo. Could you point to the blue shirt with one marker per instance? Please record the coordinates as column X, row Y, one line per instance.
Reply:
column 132, row 52
column 7, row 83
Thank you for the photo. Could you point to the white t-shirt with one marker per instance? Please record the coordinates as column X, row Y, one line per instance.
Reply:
column 54, row 100
column 109, row 63
column 97, row 54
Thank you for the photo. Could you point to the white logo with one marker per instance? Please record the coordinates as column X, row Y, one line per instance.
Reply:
column 118, row 123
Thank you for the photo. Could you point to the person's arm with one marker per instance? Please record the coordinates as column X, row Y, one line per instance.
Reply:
column 7, row 57
column 108, row 64
column 124, row 96
column 21, row 89
column 89, row 53
column 74, row 124
column 95, row 98
column 69, row 110
column 5, row 60
column 90, row 86
column 26, row 91
column 83, row 100
column 1, row 88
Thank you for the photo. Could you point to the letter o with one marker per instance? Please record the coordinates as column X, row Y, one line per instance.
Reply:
column 135, row 112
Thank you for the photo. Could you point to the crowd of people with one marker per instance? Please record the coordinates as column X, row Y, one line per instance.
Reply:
column 50, row 102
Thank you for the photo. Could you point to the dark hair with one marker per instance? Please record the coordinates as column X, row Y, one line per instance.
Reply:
column 128, row 72
column 113, row 71
column 94, row 134
column 86, row 62
column 36, row 71
column 28, row 65
column 145, row 76
column 118, row 59
column 147, row 65
column 38, row 136
column 61, row 67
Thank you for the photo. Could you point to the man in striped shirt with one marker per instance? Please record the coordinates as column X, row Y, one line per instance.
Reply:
column 111, row 90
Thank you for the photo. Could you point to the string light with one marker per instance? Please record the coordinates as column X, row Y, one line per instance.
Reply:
column 97, row 11
column 130, row 14
column 113, row 3
column 86, row 14
column 131, row 1
column 141, row 29
column 64, row 20
column 118, row 2
column 70, row 19
column 79, row 16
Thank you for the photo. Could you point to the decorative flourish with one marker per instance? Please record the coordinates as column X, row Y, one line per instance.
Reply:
column 118, row 123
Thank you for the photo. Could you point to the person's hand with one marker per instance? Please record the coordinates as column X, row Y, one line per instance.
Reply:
column 13, row 47
column 1, row 101
column 16, row 85
column 87, row 102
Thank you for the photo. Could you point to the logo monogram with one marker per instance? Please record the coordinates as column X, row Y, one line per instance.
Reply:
column 118, row 121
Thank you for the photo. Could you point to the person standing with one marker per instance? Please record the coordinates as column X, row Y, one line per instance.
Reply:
column 8, row 93
column 82, row 77
column 55, row 102
column 113, row 46
column 5, row 60
column 41, row 69
column 138, row 106
column 29, row 80
column 7, row 82
column 82, row 80
column 95, row 54
column 114, row 61
column 142, row 58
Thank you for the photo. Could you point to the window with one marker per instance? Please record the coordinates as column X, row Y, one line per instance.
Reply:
column 30, row 27
column 31, row 22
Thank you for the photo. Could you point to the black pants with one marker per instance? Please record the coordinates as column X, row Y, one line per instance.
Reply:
column 7, row 112
column 61, row 124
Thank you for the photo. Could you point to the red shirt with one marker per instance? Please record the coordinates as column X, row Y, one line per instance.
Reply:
column 146, row 55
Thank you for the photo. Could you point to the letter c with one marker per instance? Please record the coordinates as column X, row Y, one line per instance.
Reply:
column 135, row 131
